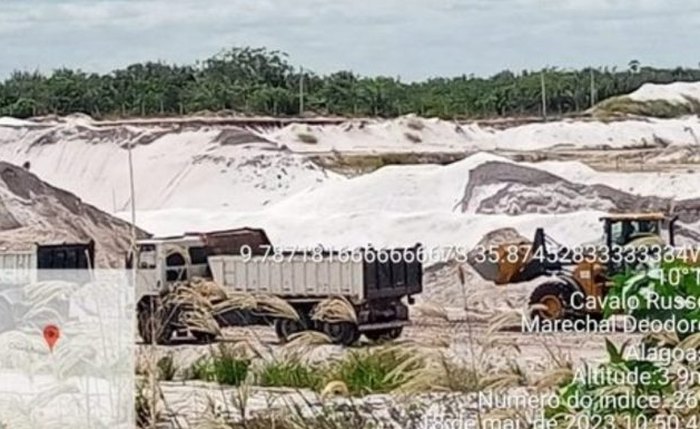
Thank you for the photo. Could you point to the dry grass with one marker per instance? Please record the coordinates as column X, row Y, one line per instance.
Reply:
column 334, row 310
column 276, row 307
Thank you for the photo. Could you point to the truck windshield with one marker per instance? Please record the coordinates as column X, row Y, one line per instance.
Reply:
column 147, row 256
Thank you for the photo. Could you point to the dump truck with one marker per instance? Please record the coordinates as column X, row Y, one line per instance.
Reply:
column 38, row 263
column 244, row 262
column 574, row 273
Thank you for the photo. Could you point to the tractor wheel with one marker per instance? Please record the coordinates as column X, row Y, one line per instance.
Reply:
column 342, row 333
column 554, row 298
column 384, row 334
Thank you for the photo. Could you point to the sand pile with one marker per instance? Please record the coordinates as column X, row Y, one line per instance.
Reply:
column 525, row 189
column 404, row 134
column 32, row 211
column 676, row 92
column 178, row 166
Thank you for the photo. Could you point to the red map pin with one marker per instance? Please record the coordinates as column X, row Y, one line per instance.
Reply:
column 51, row 335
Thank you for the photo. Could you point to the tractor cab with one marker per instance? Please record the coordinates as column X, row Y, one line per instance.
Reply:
column 631, row 230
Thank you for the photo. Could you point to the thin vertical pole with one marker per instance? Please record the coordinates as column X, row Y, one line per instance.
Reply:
column 592, row 88
column 301, row 92
column 544, row 96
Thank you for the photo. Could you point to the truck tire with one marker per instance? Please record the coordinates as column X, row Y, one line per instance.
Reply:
column 202, row 337
column 285, row 328
column 555, row 297
column 341, row 333
column 151, row 326
column 7, row 320
column 382, row 335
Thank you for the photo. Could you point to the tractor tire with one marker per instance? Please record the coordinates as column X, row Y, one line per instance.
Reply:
column 555, row 297
column 383, row 335
column 341, row 333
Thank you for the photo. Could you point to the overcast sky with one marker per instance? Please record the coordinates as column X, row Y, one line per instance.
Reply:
column 413, row 39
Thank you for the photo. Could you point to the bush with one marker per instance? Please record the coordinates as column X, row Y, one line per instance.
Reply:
column 599, row 392
column 670, row 281
column 294, row 374
column 379, row 370
column 166, row 368
column 653, row 108
column 223, row 367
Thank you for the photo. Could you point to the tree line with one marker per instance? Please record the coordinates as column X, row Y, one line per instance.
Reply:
column 263, row 82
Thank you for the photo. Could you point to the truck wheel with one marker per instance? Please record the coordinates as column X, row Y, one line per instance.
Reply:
column 555, row 299
column 384, row 334
column 202, row 337
column 151, row 326
column 285, row 328
column 7, row 321
column 343, row 333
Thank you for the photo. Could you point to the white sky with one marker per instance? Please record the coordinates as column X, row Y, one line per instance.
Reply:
column 413, row 39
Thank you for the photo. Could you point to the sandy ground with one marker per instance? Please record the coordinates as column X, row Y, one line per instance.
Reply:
column 220, row 177
column 191, row 402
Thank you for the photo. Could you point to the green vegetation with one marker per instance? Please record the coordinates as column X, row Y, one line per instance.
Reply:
column 598, row 394
column 672, row 282
column 655, row 108
column 603, row 393
column 260, row 81
column 166, row 367
column 377, row 370
column 292, row 373
column 224, row 367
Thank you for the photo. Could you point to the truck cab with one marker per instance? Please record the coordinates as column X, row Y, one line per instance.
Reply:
column 162, row 261
column 166, row 260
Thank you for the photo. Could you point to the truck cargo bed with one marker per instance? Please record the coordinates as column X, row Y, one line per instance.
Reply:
column 300, row 275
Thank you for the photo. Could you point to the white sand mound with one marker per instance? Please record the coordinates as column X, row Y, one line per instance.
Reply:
column 174, row 167
column 219, row 167
column 612, row 135
column 676, row 184
column 435, row 205
column 447, row 234
column 675, row 93
column 6, row 121
column 403, row 134
column 397, row 189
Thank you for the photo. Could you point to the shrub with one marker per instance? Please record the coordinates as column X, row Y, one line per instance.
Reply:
column 653, row 108
column 292, row 373
column 378, row 370
column 146, row 412
column 223, row 367
column 594, row 396
column 166, row 368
